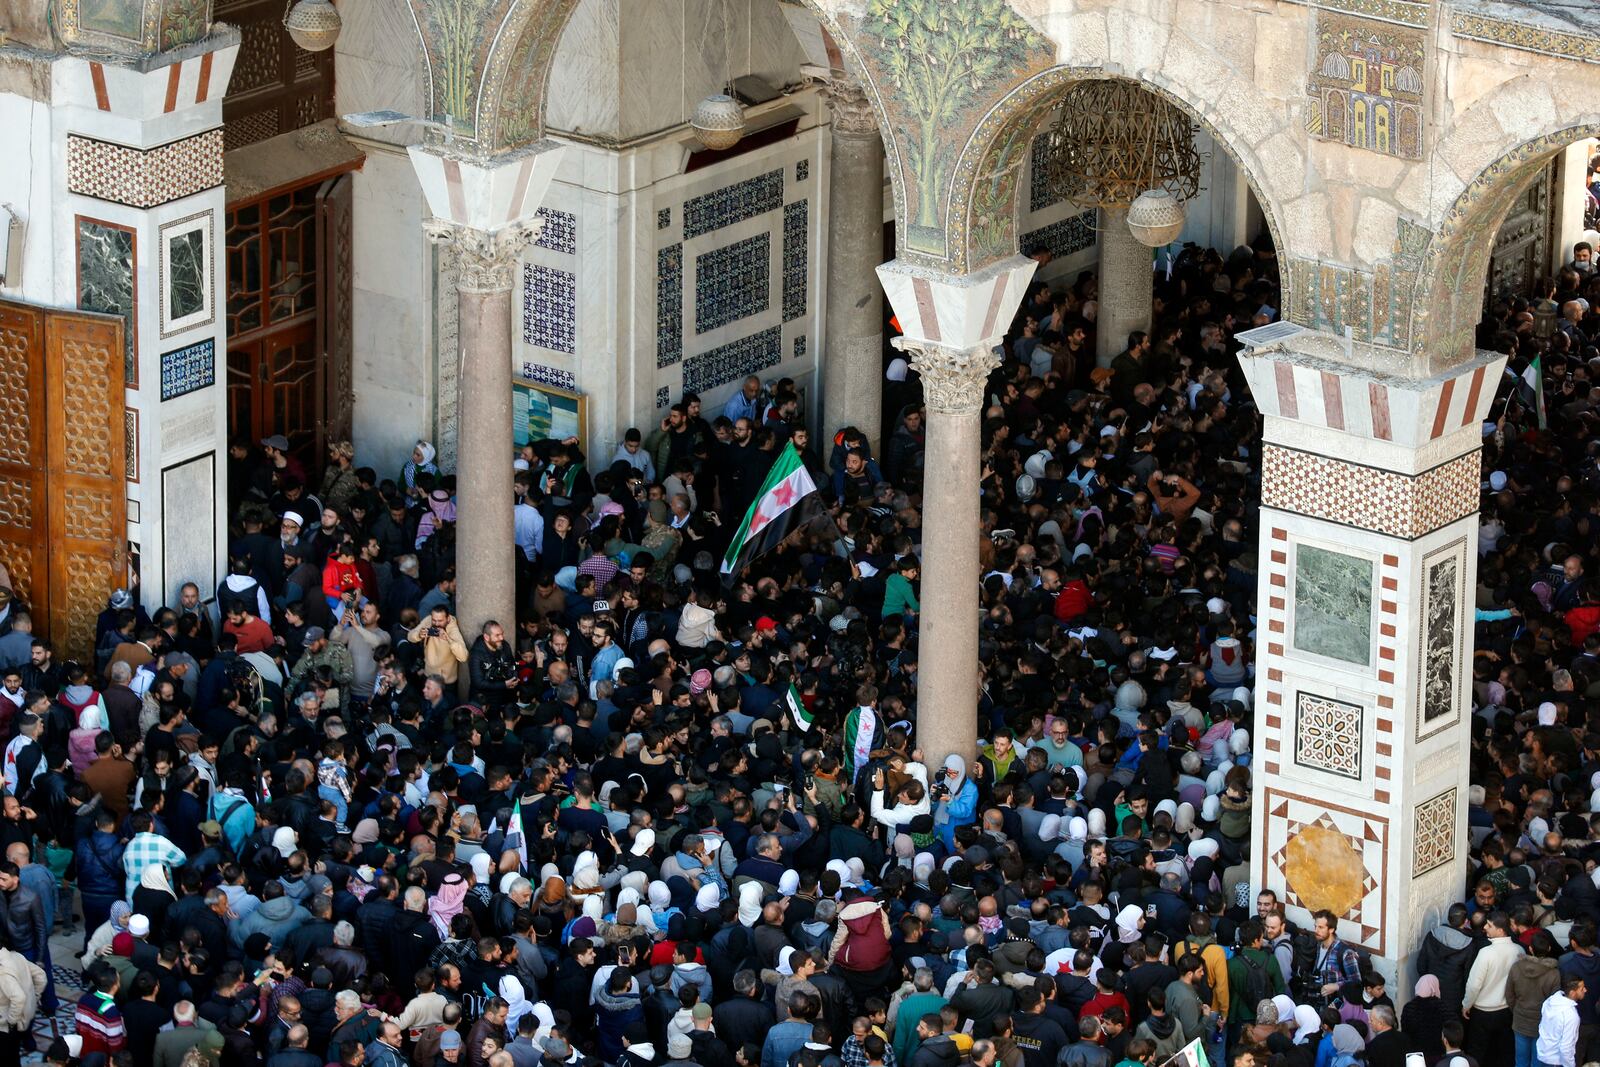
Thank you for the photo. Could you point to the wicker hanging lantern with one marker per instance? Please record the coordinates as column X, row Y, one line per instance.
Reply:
column 718, row 121
column 313, row 24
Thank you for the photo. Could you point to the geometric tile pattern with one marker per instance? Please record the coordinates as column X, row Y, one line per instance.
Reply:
column 1328, row 735
column 732, row 282
column 736, row 359
column 732, row 203
column 1350, row 850
column 802, row 170
column 663, row 398
column 147, row 178
column 795, row 240
column 183, row 370
column 1040, row 195
column 1072, row 234
column 800, row 346
column 669, row 305
column 549, row 312
column 663, row 218
column 1368, row 498
column 130, row 444
column 538, row 372
column 559, row 233
column 1433, row 836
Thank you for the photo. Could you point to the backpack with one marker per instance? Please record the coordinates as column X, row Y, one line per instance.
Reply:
column 1303, row 977
column 1256, row 986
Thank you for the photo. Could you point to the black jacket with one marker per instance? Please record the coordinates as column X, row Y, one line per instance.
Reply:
column 742, row 1021
column 489, row 670
column 938, row 1051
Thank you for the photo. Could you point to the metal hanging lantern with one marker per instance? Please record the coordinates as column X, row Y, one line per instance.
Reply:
column 718, row 121
column 1116, row 143
column 313, row 24
column 1156, row 218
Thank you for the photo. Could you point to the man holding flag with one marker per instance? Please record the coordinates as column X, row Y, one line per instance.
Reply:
column 786, row 501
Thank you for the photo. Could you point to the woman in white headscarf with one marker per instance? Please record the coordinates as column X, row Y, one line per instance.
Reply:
column 547, row 1021
column 708, row 898
column 1074, row 838
column 1307, row 1024
column 1130, row 924
column 517, row 998
column 285, row 840
column 958, row 800
column 80, row 742
column 789, row 883
column 421, row 461
column 749, row 904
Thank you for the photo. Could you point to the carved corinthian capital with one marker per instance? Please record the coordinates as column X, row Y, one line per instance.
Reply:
column 487, row 260
column 852, row 111
column 952, row 378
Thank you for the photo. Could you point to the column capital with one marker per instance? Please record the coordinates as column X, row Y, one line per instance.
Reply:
column 852, row 111
column 956, row 311
column 486, row 259
column 485, row 192
column 952, row 378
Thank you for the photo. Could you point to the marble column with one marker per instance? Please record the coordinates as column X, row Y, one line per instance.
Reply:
column 1126, row 295
column 852, row 357
column 1367, row 565
column 486, row 264
column 951, row 326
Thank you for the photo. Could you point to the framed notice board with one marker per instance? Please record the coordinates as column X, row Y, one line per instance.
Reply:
column 544, row 412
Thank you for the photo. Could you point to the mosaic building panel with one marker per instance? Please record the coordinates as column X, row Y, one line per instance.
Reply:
column 1368, row 498
column 802, row 170
column 1433, row 836
column 795, row 245
column 732, row 282
column 186, row 369
column 1366, row 84
column 663, row 398
column 144, row 179
column 1328, row 735
column 669, row 305
column 1040, row 195
column 560, row 231
column 1072, row 234
column 663, row 218
column 1329, row 856
column 538, row 372
column 748, row 355
column 1444, row 584
column 549, row 311
column 732, row 203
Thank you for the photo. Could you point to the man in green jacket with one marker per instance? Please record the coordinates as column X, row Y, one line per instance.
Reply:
column 1253, row 976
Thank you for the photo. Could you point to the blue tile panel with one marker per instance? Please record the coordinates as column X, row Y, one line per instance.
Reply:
column 561, row 379
column 800, row 346
column 732, row 282
column 1039, row 194
column 663, row 218
column 183, row 370
column 1072, row 234
column 663, row 398
column 795, row 240
column 802, row 170
column 669, row 305
column 747, row 355
column 732, row 203
column 560, row 231
column 549, row 313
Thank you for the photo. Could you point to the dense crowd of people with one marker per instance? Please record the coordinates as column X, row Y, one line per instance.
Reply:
column 660, row 819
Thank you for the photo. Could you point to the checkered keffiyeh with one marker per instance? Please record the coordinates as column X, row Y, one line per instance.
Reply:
column 146, row 849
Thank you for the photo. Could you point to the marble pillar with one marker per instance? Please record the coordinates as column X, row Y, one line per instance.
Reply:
column 1367, row 565
column 951, row 327
column 852, row 357
column 485, row 265
column 1126, row 295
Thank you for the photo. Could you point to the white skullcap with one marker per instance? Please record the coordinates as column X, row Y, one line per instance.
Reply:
column 1547, row 714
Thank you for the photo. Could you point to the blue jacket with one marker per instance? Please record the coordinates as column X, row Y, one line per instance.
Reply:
column 783, row 1041
column 99, row 858
column 615, row 1014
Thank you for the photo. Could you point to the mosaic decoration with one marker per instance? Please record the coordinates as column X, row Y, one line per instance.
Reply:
column 1075, row 233
column 1333, row 605
column 802, row 170
column 1040, row 194
column 736, row 359
column 1433, row 833
column 561, row 379
column 795, row 244
column 732, row 282
column 145, row 179
column 1406, row 12
column 664, row 218
column 1550, row 42
column 732, row 203
column 184, row 370
column 1366, row 88
column 1368, row 498
column 148, row 25
column 800, row 346
column 1330, row 856
column 549, row 309
column 669, row 305
column 1444, row 587
column 187, row 269
column 663, row 398
column 106, row 282
column 130, row 444
column 1328, row 735
column 559, row 232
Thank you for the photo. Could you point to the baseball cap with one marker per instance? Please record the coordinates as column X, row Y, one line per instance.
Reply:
column 449, row 1039
column 211, row 828
column 277, row 440
column 766, row 624
column 313, row 634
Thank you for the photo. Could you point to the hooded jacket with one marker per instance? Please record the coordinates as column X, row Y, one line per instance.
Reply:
column 1533, row 979
column 862, row 938
column 1165, row 1032
column 615, row 1013
column 1447, row 954
column 938, row 1051
column 276, row 918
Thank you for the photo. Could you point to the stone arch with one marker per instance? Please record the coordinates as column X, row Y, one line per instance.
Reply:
column 983, row 202
column 1449, row 280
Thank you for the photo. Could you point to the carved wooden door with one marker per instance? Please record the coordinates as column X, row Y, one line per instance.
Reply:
column 63, row 504
column 335, row 219
column 24, row 537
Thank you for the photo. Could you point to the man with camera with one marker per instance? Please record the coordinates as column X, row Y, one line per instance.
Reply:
column 443, row 650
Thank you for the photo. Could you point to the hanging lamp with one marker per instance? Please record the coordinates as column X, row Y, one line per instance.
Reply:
column 313, row 24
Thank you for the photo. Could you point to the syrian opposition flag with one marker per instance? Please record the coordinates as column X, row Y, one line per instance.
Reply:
column 516, row 836
column 860, row 731
column 799, row 714
column 787, row 500
column 1533, row 387
column 1191, row 1055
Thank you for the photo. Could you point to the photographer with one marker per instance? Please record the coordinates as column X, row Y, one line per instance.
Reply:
column 443, row 650
column 492, row 667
